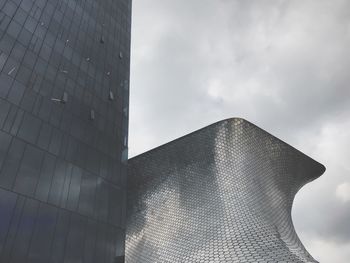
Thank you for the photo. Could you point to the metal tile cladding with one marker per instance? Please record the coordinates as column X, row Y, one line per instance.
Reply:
column 221, row 194
column 64, row 96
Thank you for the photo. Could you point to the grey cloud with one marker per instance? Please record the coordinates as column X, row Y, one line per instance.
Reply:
column 280, row 64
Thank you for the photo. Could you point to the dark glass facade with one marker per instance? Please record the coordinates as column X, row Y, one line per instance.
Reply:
column 64, row 91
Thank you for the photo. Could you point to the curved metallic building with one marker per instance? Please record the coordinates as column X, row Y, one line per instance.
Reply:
column 221, row 194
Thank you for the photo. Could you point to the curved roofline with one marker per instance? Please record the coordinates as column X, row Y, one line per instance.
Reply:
column 322, row 167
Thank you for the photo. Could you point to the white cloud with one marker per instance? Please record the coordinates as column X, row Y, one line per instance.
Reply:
column 328, row 251
column 343, row 192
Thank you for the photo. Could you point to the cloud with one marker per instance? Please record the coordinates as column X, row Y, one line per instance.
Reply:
column 280, row 64
column 328, row 251
column 343, row 192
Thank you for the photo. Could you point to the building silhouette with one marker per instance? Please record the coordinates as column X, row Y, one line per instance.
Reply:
column 64, row 73
column 220, row 194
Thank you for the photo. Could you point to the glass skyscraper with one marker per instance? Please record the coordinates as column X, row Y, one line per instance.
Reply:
column 64, row 91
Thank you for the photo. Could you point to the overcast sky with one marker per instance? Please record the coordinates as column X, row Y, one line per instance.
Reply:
column 283, row 65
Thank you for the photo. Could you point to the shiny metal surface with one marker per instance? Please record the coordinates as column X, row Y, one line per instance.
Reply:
column 221, row 194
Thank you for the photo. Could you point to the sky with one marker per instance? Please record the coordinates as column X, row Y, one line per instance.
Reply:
column 282, row 65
